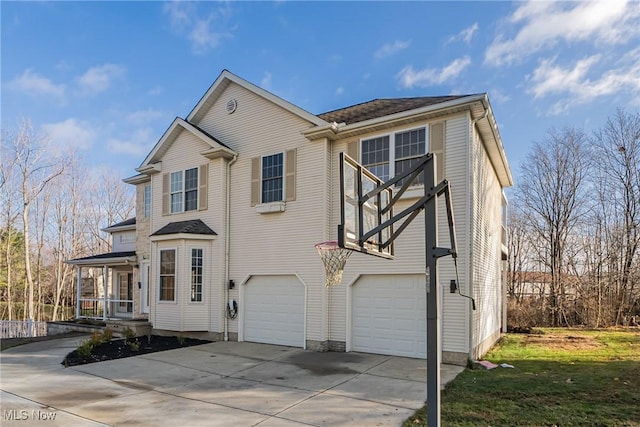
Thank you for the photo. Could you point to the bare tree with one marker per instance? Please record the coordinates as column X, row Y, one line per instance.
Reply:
column 617, row 147
column 9, row 216
column 553, row 196
column 36, row 169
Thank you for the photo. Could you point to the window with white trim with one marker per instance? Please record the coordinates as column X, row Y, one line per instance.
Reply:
column 167, row 288
column 389, row 155
column 196, row 275
column 272, row 178
column 184, row 190
column 146, row 201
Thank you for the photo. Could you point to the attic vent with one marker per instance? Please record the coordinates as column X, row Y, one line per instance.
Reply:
column 232, row 104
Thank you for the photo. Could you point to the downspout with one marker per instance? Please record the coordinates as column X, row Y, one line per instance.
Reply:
column 471, row 213
column 227, row 244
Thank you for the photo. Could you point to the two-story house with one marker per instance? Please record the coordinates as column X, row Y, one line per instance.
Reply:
column 232, row 199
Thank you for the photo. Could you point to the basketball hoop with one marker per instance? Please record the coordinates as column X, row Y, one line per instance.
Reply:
column 334, row 258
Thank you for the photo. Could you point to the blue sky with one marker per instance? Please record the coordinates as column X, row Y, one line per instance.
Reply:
column 109, row 77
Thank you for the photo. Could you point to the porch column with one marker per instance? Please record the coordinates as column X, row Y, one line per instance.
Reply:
column 79, row 293
column 105, row 278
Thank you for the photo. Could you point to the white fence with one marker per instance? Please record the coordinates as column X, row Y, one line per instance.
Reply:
column 21, row 329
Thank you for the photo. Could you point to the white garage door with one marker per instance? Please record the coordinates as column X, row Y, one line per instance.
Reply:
column 388, row 315
column 274, row 310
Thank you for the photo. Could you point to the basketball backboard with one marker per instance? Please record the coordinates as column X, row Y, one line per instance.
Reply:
column 361, row 212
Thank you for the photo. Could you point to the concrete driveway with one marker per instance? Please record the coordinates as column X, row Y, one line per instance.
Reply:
column 217, row 384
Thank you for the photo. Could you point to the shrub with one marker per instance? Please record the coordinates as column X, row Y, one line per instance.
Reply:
column 134, row 345
column 86, row 347
column 107, row 335
column 128, row 334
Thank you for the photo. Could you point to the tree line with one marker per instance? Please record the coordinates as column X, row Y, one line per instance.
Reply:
column 53, row 206
column 574, row 229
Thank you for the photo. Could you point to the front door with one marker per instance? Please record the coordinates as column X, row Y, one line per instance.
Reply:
column 144, row 287
column 125, row 292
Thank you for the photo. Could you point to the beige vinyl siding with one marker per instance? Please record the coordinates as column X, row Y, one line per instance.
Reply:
column 278, row 243
column 165, row 314
column 409, row 247
column 216, row 211
column 486, row 245
column 195, row 315
column 181, row 155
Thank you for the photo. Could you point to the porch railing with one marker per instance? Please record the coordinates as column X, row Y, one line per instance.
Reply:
column 93, row 308
column 22, row 328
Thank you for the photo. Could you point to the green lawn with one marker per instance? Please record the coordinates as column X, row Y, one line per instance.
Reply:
column 562, row 377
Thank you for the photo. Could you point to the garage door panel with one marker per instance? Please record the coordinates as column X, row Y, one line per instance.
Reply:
column 389, row 315
column 274, row 310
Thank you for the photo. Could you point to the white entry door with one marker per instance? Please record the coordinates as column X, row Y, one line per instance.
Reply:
column 144, row 286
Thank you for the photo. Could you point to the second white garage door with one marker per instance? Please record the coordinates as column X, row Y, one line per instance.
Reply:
column 388, row 315
column 274, row 310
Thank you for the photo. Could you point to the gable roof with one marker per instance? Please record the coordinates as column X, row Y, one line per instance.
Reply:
column 227, row 77
column 171, row 134
column 194, row 226
column 382, row 107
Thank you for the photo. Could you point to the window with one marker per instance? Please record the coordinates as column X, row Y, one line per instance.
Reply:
column 389, row 155
column 147, row 201
column 272, row 168
column 196, row 275
column 273, row 181
column 184, row 192
column 167, row 289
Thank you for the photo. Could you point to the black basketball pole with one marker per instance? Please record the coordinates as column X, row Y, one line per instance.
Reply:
column 428, row 203
column 434, row 344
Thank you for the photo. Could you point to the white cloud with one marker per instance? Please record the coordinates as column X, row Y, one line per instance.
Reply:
column 265, row 83
column 98, row 79
column 138, row 144
column 141, row 117
column 34, row 84
column 579, row 84
column 203, row 37
column 432, row 76
column 205, row 30
column 339, row 90
column 498, row 96
column 70, row 133
column 465, row 35
column 389, row 49
column 543, row 24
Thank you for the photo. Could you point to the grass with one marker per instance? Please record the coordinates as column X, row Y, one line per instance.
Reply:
column 562, row 377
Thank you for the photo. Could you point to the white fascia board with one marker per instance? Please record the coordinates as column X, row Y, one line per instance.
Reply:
column 227, row 76
column 130, row 227
column 104, row 261
column 159, row 145
column 137, row 179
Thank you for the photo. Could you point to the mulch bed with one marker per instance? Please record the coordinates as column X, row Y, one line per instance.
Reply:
column 120, row 348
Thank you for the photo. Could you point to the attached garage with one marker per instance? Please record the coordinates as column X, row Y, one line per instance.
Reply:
column 274, row 308
column 388, row 315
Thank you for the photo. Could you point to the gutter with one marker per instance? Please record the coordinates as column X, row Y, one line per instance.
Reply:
column 227, row 244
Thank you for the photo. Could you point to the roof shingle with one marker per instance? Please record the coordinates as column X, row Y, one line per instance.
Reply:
column 194, row 226
column 382, row 107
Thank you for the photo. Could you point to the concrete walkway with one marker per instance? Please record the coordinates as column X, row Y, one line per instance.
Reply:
column 217, row 384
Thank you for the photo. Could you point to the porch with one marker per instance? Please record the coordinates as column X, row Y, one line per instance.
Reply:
column 105, row 287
